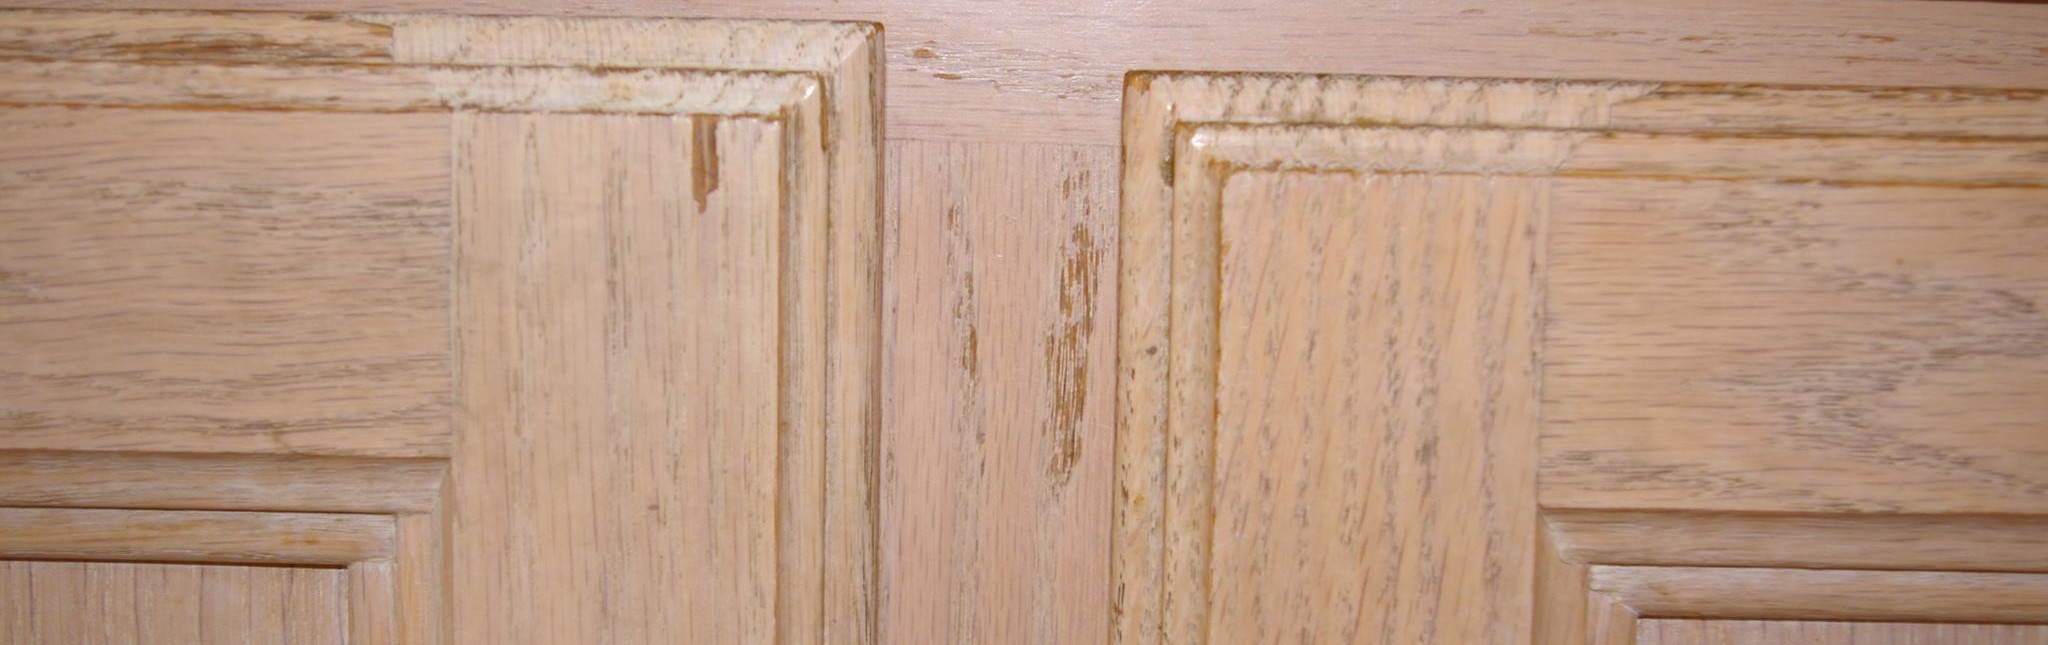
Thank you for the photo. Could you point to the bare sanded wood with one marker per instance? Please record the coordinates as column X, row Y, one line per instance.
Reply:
column 1794, row 347
column 1911, row 542
column 224, row 282
column 314, row 539
column 219, row 482
column 1052, row 72
column 624, row 377
column 775, row 482
column 1957, row 212
column 111, row 603
column 995, row 512
column 1774, row 632
column 1801, row 594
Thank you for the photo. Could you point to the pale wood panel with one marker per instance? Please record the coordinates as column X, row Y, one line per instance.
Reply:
column 1765, row 632
column 1826, row 594
column 224, row 282
column 1797, row 347
column 1850, row 541
column 105, row 603
column 1053, row 71
column 329, row 539
column 1373, row 407
column 219, row 482
column 621, row 383
column 998, row 411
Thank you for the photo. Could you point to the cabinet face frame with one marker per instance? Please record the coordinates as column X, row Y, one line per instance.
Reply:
column 1592, row 572
column 387, row 518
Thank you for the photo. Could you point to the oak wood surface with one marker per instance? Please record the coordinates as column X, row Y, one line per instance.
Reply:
column 237, row 282
column 114, row 603
column 1291, row 515
column 311, row 539
column 1778, row 632
column 741, row 448
column 1050, row 70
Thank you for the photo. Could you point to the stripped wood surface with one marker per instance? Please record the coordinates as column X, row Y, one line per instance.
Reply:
column 309, row 539
column 1051, row 71
column 114, row 603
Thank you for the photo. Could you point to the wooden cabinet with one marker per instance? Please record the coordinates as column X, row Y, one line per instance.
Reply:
column 396, row 322
column 546, row 330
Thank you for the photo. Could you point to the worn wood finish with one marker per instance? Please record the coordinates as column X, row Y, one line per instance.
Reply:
column 219, row 482
column 736, row 377
column 1778, row 632
column 972, row 460
column 109, row 603
column 1802, row 594
column 237, row 282
column 1050, row 71
column 1336, row 161
column 1859, row 349
column 315, row 539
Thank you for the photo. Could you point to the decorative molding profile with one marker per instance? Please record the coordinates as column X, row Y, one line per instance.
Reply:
column 1186, row 135
column 378, row 518
column 387, row 520
column 1599, row 572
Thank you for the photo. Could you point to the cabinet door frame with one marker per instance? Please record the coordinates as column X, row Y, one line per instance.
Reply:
column 387, row 518
column 1568, row 575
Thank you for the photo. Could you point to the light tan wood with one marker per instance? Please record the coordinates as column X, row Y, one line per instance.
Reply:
column 743, row 446
column 108, row 603
column 1776, row 632
column 1297, row 539
column 1922, row 542
column 317, row 539
column 1799, row 594
column 241, row 282
column 1052, row 72
column 1868, row 349
column 996, row 508
column 219, row 482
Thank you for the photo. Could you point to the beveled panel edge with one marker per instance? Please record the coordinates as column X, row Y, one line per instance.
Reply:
column 1171, row 147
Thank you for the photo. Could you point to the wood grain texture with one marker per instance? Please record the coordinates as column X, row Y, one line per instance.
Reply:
column 1050, row 70
column 781, row 262
column 307, row 539
column 1373, row 395
column 1768, row 632
column 172, row 481
column 232, row 282
column 1797, row 347
column 109, row 603
column 1906, row 542
column 998, row 429
column 1800, row 594
column 624, row 381
column 1353, row 407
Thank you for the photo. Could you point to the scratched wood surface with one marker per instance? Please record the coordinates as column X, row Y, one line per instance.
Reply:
column 1051, row 70
column 998, row 410
column 108, row 603
column 623, row 387
column 1764, row 632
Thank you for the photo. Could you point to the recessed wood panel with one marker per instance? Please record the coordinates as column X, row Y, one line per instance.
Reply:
column 106, row 603
column 1365, row 368
column 645, row 254
column 630, row 450
column 1789, row 347
column 1331, row 292
column 224, row 282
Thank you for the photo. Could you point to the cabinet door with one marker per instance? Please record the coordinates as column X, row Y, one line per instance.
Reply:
column 404, row 329
column 1486, row 361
